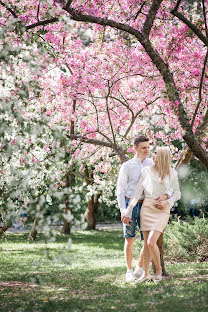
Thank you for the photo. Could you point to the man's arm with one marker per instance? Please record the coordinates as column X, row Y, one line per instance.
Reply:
column 121, row 188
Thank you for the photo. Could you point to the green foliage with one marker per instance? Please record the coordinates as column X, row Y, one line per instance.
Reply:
column 90, row 277
column 185, row 241
column 193, row 184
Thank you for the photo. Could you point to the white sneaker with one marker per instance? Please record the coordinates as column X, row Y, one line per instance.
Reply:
column 144, row 278
column 157, row 278
column 129, row 277
column 138, row 272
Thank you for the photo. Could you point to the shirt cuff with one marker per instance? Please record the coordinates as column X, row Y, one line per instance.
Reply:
column 125, row 213
column 171, row 202
column 169, row 193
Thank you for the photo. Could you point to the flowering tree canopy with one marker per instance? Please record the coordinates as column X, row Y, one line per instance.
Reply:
column 146, row 64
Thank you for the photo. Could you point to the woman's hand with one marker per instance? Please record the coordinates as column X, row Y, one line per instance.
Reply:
column 163, row 197
column 161, row 204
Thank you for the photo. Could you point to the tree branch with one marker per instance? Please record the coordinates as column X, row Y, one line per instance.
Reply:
column 200, row 89
column 151, row 17
column 42, row 23
column 177, row 5
column 197, row 32
column 77, row 16
column 205, row 18
column 203, row 124
column 119, row 151
column 140, row 10
column 109, row 117
column 89, row 141
column 68, row 4
column 38, row 12
column 9, row 9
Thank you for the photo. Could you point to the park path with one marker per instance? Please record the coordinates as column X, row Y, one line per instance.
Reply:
column 99, row 226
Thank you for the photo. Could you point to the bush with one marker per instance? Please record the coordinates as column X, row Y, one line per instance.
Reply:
column 185, row 241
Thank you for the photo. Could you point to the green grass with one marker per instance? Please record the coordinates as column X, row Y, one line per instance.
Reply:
column 35, row 276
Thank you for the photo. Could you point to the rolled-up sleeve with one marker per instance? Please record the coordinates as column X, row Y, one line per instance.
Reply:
column 121, row 187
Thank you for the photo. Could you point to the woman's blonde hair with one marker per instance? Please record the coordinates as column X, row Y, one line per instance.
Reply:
column 163, row 162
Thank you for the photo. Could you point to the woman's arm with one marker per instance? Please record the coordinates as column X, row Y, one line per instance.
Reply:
column 175, row 185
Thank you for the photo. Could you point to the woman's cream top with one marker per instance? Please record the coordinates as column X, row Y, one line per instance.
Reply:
column 151, row 187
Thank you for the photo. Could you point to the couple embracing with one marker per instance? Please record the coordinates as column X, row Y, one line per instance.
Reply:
column 146, row 191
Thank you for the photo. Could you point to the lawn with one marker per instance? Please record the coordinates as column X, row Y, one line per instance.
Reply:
column 35, row 276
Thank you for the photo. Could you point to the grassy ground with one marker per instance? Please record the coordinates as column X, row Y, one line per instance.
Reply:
column 35, row 276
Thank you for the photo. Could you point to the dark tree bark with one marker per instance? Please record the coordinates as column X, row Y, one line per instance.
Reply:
column 143, row 37
column 33, row 233
column 93, row 203
column 70, row 182
column 3, row 230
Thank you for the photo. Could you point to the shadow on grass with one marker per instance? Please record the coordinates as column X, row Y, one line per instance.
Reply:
column 102, row 290
column 96, row 280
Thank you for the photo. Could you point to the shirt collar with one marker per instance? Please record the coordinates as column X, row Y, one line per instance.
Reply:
column 139, row 160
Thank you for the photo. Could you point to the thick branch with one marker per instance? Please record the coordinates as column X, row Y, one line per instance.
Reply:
column 190, row 25
column 200, row 89
column 151, row 17
column 119, row 151
column 77, row 16
column 177, row 5
column 163, row 68
column 68, row 4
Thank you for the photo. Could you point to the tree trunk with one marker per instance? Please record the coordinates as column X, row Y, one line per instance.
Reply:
column 93, row 203
column 185, row 159
column 3, row 230
column 66, row 226
column 33, row 233
column 70, row 181
column 90, row 214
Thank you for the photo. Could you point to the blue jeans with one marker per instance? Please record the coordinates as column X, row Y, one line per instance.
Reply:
column 130, row 230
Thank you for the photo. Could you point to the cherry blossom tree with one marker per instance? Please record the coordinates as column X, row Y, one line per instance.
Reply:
column 153, row 87
column 165, row 46
column 120, row 68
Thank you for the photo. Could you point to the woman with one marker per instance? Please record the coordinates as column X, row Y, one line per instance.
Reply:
column 154, row 182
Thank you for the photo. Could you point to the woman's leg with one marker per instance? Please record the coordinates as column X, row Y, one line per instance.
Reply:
column 146, row 254
column 154, row 250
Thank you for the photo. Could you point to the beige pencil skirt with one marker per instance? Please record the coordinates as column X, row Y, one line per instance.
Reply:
column 153, row 219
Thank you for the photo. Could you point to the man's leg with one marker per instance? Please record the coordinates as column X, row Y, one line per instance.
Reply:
column 139, row 268
column 129, row 235
column 128, row 252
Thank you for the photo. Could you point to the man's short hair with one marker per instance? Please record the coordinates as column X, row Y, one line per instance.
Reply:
column 140, row 139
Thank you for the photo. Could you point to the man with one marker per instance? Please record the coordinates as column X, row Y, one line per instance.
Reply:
column 129, row 176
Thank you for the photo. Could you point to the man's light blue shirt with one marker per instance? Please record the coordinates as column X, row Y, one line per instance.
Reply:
column 128, row 178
